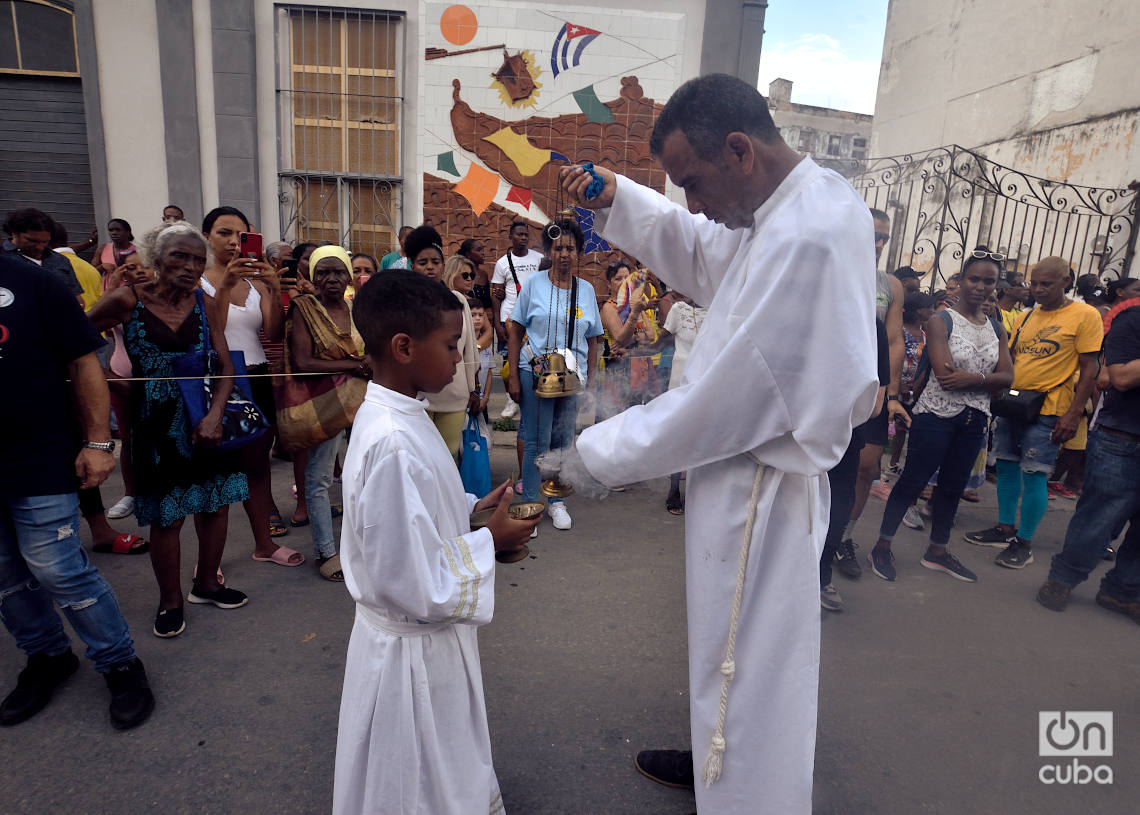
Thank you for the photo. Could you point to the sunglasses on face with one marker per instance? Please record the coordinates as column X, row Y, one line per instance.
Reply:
column 882, row 236
column 997, row 257
column 467, row 275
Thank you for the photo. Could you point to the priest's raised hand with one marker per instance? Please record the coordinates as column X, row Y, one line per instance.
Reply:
column 576, row 179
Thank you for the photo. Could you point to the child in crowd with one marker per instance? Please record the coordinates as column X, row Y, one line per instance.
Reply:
column 484, row 350
column 413, row 724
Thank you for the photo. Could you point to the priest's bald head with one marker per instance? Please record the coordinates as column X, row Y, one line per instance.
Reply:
column 717, row 141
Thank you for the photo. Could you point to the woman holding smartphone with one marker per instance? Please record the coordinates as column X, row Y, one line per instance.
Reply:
column 248, row 296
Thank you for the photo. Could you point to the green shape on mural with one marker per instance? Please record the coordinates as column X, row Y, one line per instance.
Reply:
column 446, row 163
column 588, row 101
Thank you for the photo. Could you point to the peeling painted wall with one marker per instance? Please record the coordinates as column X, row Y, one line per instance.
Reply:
column 1047, row 86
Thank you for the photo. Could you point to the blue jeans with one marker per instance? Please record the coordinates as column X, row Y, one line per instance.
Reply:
column 42, row 559
column 548, row 424
column 1030, row 445
column 947, row 445
column 1110, row 498
column 318, row 479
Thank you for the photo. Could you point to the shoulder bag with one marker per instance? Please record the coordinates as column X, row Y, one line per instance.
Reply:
column 1023, row 406
column 242, row 421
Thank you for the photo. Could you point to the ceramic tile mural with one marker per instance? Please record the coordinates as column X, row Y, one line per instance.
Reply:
column 514, row 90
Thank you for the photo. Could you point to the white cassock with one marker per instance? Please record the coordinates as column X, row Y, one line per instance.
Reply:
column 413, row 736
column 783, row 368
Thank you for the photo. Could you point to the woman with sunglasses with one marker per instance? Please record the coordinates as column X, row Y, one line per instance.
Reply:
column 969, row 360
column 459, row 275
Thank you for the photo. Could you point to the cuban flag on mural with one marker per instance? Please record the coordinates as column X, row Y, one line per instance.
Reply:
column 560, row 59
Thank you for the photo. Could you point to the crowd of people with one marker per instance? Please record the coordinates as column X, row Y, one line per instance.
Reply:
column 300, row 346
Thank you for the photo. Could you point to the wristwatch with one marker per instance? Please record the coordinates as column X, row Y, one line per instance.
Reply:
column 892, row 397
column 105, row 446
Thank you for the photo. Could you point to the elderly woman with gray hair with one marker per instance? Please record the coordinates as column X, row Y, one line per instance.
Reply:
column 178, row 470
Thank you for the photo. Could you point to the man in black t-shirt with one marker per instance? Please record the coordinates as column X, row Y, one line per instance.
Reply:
column 1111, row 496
column 45, row 339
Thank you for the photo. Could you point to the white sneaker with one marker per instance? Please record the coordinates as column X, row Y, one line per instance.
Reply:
column 913, row 519
column 124, row 507
column 534, row 533
column 511, row 410
column 559, row 516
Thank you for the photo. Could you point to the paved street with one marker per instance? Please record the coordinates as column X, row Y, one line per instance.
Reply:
column 930, row 688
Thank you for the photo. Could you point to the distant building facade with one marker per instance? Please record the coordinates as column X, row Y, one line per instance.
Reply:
column 1045, row 100
column 837, row 139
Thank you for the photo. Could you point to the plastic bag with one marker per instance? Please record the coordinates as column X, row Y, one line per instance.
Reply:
column 475, row 459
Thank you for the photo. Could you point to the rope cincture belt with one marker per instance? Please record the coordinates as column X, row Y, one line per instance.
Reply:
column 714, row 763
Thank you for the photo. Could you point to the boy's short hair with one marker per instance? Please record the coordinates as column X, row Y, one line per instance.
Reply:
column 400, row 302
column 473, row 304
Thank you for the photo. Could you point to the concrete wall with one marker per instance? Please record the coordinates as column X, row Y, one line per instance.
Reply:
column 1045, row 84
column 130, row 92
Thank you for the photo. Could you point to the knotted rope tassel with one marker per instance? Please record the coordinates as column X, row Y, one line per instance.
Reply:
column 715, row 760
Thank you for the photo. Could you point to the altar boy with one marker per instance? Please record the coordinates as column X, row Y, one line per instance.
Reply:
column 413, row 724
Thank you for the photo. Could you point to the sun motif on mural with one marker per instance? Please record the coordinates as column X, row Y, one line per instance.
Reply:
column 517, row 80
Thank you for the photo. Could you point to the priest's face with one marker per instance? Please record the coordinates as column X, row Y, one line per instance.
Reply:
column 437, row 354
column 711, row 188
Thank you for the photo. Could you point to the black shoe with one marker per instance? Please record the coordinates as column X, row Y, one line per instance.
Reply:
column 845, row 560
column 131, row 699
column 949, row 564
column 35, row 686
column 994, row 536
column 1053, row 595
column 882, row 563
column 1017, row 555
column 673, row 768
column 224, row 597
column 169, row 622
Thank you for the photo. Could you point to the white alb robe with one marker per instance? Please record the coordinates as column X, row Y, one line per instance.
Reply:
column 413, row 736
column 783, row 367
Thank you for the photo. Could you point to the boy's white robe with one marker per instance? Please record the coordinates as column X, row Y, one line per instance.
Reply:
column 783, row 368
column 413, row 734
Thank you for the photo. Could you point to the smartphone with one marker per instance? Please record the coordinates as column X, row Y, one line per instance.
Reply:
column 249, row 245
column 289, row 271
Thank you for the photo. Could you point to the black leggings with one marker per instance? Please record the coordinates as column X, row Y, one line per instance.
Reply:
column 842, row 480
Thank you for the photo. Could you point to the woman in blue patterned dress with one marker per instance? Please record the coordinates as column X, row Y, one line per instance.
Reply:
column 177, row 472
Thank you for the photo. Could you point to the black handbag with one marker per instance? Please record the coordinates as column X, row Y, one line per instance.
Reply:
column 1022, row 406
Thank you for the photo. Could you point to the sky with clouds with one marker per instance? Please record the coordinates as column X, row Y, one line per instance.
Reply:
column 830, row 49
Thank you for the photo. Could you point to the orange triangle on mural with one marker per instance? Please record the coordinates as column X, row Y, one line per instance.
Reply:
column 519, row 195
column 479, row 187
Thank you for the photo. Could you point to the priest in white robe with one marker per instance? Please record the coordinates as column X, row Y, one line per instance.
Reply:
column 782, row 254
column 413, row 732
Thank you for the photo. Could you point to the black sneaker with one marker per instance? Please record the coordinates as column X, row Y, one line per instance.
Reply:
column 994, row 536
column 1128, row 608
column 35, row 686
column 882, row 563
column 845, row 560
column 131, row 699
column 673, row 768
column 1053, row 595
column 946, row 562
column 169, row 622
column 1017, row 555
column 224, row 597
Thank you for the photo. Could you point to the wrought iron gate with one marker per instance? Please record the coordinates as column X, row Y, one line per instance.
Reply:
column 944, row 202
column 340, row 102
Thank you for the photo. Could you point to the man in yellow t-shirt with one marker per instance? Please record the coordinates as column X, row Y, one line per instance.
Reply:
column 1010, row 296
column 87, row 275
column 1054, row 345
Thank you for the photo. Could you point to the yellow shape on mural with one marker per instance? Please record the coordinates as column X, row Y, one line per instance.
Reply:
column 528, row 158
column 479, row 187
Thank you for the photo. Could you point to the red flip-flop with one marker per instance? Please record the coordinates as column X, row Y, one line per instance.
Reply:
column 125, row 544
